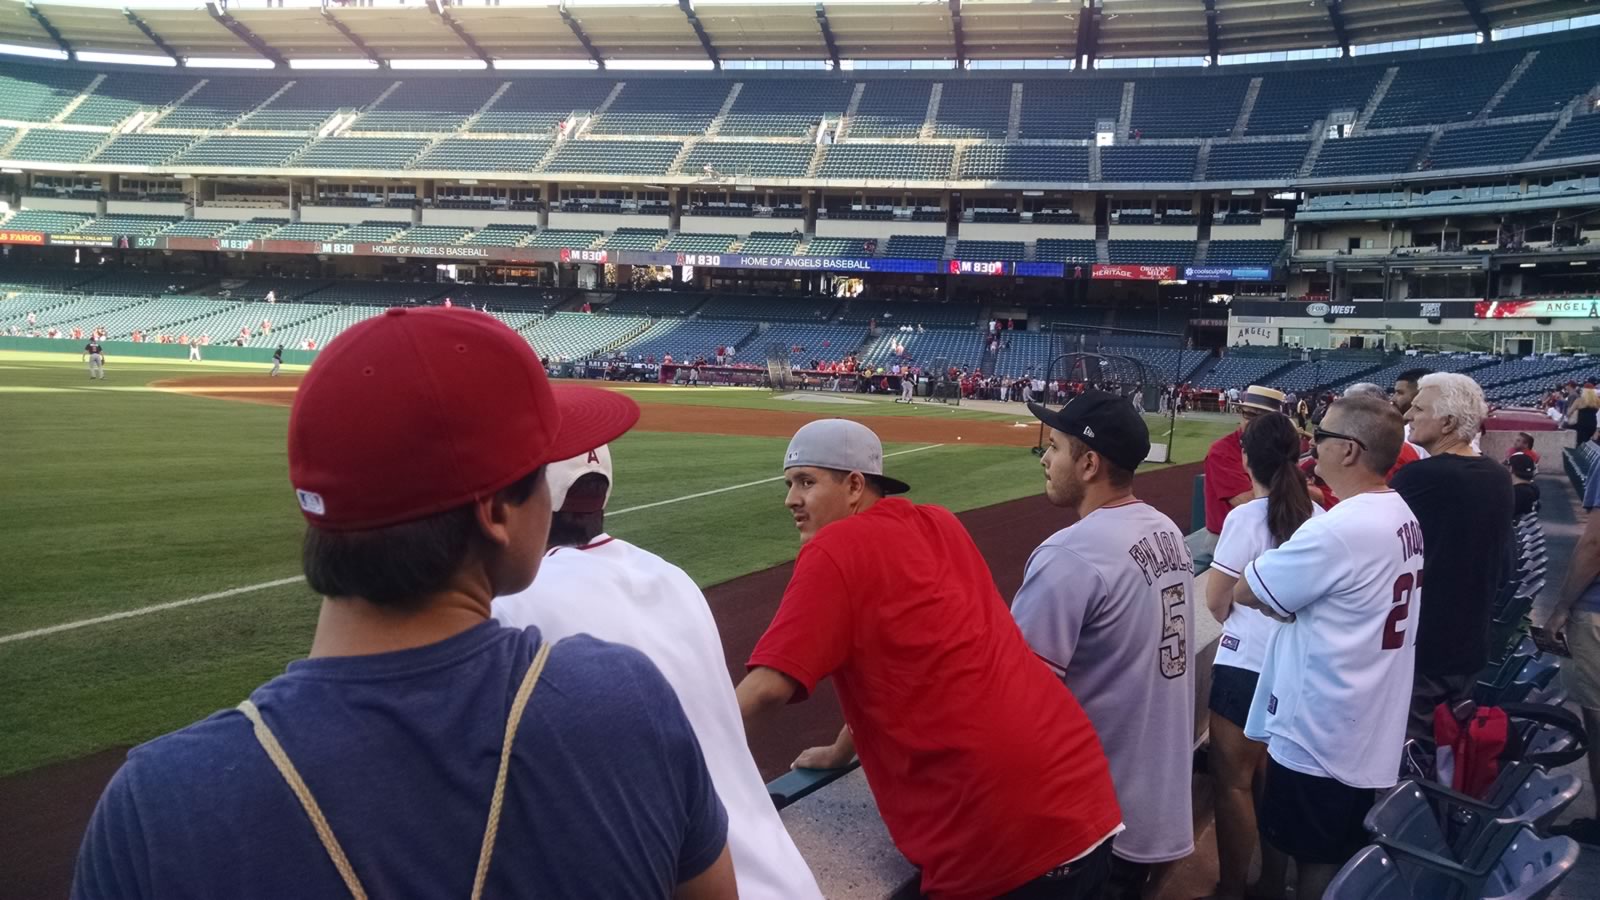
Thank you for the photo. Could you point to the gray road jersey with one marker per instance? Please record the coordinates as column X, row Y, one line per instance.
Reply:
column 1109, row 604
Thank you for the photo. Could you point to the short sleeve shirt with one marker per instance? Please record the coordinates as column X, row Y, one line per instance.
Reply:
column 1246, row 632
column 1109, row 603
column 1335, row 689
column 607, row 796
column 1225, row 478
column 985, row 769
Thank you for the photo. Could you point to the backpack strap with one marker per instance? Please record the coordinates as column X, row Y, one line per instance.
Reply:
column 496, row 801
column 330, row 843
column 1545, row 714
column 269, row 743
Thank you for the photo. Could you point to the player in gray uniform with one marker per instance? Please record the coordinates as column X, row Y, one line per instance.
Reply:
column 97, row 359
column 1107, row 603
column 277, row 360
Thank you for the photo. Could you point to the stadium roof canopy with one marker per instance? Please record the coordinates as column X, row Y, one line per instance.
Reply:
column 698, row 32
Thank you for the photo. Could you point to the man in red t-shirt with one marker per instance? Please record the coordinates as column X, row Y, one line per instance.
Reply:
column 1227, row 484
column 986, row 771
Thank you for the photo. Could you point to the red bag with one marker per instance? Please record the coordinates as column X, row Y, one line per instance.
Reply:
column 1469, row 753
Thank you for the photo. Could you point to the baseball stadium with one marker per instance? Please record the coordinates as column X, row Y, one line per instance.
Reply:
column 1056, row 256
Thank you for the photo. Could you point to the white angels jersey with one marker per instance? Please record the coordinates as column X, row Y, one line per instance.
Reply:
column 1336, row 687
column 1108, row 603
column 1246, row 632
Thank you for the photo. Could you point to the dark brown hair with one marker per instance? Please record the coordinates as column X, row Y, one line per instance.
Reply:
column 1272, row 445
column 399, row 565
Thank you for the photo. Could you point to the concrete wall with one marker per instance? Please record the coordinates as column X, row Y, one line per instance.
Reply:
column 477, row 218
column 880, row 231
column 1267, row 230
column 138, row 207
column 61, row 203
column 600, row 221
column 240, row 213
column 740, row 225
column 1153, row 232
column 1007, row 231
column 350, row 215
column 1548, row 444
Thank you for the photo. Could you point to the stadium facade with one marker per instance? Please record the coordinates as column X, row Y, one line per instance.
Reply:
column 1445, row 198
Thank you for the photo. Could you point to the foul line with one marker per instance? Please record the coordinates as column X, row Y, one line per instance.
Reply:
column 147, row 610
column 252, row 588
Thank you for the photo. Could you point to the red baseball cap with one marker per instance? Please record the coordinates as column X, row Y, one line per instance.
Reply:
column 422, row 410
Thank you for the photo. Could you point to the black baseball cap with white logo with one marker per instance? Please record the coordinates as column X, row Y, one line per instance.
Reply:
column 1107, row 423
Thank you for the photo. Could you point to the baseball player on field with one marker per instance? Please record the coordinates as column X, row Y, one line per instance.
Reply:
column 277, row 360
column 1335, row 688
column 97, row 359
column 592, row 583
column 1282, row 503
column 1108, row 604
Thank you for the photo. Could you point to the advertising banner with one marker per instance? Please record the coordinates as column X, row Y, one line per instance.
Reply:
column 1136, row 273
column 1566, row 308
column 1226, row 273
column 86, row 240
column 22, row 237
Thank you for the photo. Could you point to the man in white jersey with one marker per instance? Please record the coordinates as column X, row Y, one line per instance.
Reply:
column 592, row 583
column 1336, row 686
column 1107, row 603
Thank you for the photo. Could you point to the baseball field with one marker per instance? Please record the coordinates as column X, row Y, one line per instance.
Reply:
column 149, row 542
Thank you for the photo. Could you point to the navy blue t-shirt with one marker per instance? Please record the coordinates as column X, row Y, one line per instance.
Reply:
column 607, row 795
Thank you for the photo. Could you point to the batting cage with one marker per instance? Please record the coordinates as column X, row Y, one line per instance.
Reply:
column 1140, row 365
column 780, row 369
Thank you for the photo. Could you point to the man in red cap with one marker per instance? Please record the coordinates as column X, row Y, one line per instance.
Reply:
column 423, row 750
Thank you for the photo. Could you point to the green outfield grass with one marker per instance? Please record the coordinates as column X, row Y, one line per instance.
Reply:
column 120, row 497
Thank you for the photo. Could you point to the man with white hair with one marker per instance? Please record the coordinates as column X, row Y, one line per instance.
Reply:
column 1463, row 502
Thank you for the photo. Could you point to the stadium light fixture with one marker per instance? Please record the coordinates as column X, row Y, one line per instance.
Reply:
column 332, row 64
column 437, row 64
column 40, row 52
column 556, row 64
column 226, row 62
column 128, row 59
column 661, row 65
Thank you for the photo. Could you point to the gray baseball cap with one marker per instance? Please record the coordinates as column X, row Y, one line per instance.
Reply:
column 843, row 445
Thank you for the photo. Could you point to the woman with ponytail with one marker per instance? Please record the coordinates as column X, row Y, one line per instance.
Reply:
column 1271, row 446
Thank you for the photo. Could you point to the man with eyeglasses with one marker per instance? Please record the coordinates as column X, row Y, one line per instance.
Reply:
column 1333, row 694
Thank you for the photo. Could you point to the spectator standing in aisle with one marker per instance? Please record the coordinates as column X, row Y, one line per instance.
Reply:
column 1463, row 501
column 1332, row 697
column 1227, row 485
column 1280, row 506
column 391, row 761
column 1108, row 604
column 1587, row 405
column 1406, row 385
column 1576, row 616
column 940, row 691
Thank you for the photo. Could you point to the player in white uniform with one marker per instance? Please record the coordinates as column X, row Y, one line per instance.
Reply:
column 1107, row 603
column 592, row 583
column 1336, row 687
column 1270, row 445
